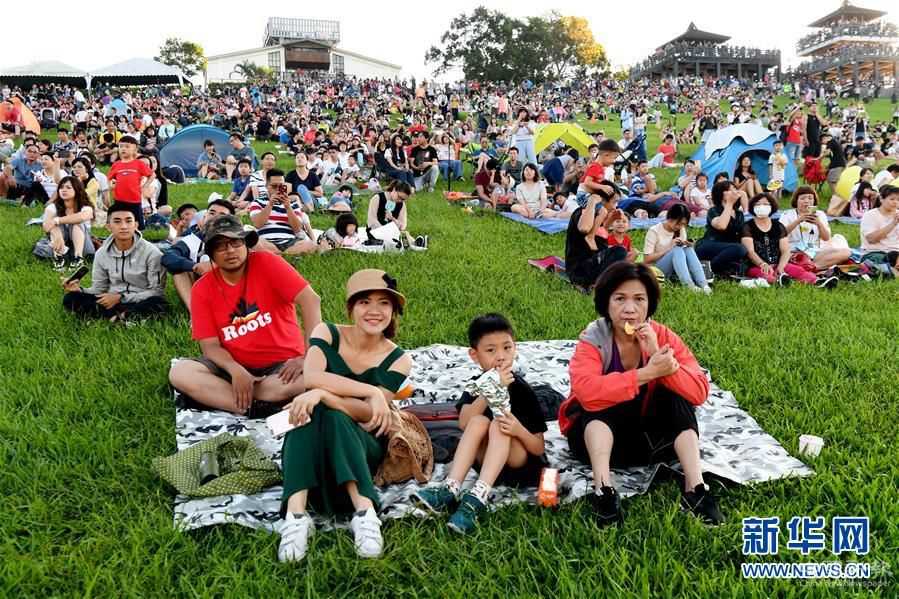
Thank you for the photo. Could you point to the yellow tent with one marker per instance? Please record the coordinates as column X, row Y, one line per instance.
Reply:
column 571, row 134
column 849, row 178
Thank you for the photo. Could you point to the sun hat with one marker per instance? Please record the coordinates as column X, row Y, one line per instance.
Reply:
column 229, row 226
column 214, row 196
column 372, row 279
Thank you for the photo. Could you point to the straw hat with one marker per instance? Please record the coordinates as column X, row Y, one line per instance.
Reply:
column 372, row 279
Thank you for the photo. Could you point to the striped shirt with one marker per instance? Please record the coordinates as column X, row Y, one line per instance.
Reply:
column 277, row 228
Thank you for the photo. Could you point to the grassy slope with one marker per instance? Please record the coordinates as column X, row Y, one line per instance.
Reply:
column 85, row 408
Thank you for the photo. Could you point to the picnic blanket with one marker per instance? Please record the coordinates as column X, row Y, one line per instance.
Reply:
column 733, row 445
column 551, row 226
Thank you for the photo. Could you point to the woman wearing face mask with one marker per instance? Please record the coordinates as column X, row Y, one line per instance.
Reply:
column 666, row 246
column 809, row 233
column 767, row 246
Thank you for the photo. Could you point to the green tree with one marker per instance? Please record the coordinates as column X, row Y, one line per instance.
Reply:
column 252, row 72
column 185, row 55
column 488, row 45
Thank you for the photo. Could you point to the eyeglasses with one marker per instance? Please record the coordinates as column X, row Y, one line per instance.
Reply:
column 232, row 244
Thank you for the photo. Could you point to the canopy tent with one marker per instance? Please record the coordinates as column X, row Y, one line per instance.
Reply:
column 183, row 148
column 26, row 117
column 571, row 134
column 43, row 72
column 137, row 71
column 721, row 152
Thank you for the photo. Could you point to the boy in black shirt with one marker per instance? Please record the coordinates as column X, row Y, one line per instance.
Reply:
column 508, row 447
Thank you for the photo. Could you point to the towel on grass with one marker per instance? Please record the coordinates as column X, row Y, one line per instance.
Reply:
column 733, row 446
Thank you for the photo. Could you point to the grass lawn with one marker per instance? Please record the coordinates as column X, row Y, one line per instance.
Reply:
column 85, row 407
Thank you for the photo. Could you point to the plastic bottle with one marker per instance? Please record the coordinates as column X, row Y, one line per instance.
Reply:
column 548, row 491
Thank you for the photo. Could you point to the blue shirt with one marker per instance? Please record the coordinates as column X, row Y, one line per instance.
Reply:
column 240, row 183
column 22, row 171
column 638, row 185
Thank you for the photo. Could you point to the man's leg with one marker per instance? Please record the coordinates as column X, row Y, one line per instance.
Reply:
column 273, row 389
column 85, row 304
column 433, row 174
column 306, row 246
column 184, row 282
column 152, row 306
column 196, row 380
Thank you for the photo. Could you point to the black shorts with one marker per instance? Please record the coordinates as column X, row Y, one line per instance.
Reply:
column 223, row 374
column 527, row 475
column 283, row 244
column 639, row 439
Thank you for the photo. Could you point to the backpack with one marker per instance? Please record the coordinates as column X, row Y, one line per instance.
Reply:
column 550, row 400
column 441, row 421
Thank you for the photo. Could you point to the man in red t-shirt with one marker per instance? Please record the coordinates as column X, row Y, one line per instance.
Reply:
column 243, row 313
column 128, row 175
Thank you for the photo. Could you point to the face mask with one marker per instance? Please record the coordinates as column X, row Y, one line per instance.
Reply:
column 762, row 211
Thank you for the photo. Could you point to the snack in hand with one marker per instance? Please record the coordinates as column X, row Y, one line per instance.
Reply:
column 629, row 328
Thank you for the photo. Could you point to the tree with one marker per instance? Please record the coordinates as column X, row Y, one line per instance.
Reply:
column 252, row 72
column 488, row 45
column 482, row 45
column 185, row 55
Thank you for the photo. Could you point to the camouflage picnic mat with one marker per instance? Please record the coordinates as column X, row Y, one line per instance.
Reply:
column 733, row 445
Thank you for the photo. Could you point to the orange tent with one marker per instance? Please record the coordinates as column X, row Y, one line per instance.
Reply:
column 29, row 122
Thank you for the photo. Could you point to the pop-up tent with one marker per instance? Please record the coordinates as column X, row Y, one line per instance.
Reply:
column 28, row 120
column 722, row 151
column 184, row 147
column 571, row 134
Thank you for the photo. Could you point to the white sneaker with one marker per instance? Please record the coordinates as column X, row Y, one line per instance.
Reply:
column 707, row 290
column 295, row 533
column 694, row 288
column 760, row 282
column 367, row 534
column 749, row 283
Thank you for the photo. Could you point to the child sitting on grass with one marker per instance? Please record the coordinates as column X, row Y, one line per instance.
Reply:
column 342, row 200
column 507, row 447
column 617, row 224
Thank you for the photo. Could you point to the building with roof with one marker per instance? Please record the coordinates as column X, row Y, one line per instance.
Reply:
column 293, row 47
column 701, row 53
column 853, row 44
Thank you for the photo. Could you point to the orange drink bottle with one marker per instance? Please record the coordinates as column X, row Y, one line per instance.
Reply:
column 548, row 491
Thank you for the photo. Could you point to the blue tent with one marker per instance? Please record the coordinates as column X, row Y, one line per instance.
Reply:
column 185, row 146
column 723, row 149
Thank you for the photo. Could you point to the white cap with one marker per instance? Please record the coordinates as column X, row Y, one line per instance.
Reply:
column 214, row 196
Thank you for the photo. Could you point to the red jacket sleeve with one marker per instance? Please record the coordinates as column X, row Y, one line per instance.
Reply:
column 591, row 388
column 689, row 381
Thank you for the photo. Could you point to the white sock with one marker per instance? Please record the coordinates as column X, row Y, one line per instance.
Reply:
column 481, row 490
column 454, row 486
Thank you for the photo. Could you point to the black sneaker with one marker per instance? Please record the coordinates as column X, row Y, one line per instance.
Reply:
column 783, row 280
column 702, row 504
column 606, row 507
column 59, row 263
column 422, row 241
column 707, row 271
column 827, row 282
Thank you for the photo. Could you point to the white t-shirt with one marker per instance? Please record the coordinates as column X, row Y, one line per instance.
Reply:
column 659, row 238
column 778, row 171
column 882, row 178
column 874, row 220
column 48, row 182
column 701, row 198
column 806, row 235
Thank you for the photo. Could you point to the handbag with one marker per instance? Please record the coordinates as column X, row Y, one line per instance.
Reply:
column 409, row 452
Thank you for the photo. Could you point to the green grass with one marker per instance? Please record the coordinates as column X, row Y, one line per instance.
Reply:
column 86, row 407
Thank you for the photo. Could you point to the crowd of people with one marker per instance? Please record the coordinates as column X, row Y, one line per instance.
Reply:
column 634, row 382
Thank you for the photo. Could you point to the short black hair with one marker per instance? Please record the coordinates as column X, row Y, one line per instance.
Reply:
column 678, row 212
column 208, row 142
column 888, row 190
column 127, row 139
column 617, row 275
column 718, row 190
column 223, row 203
column 492, row 164
column 485, row 324
column 184, row 207
column 236, row 135
column 763, row 196
column 609, row 145
column 121, row 207
column 344, row 221
column 893, row 168
column 246, row 161
column 274, row 172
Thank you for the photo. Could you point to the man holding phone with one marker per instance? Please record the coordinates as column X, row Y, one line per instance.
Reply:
column 283, row 226
column 128, row 279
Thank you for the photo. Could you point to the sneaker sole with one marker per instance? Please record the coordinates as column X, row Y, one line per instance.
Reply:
column 699, row 519
column 456, row 529
column 426, row 507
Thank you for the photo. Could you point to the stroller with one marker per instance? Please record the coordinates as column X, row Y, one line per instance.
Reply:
column 629, row 155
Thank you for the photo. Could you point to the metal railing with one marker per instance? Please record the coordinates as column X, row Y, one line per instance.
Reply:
column 281, row 28
column 863, row 30
column 694, row 52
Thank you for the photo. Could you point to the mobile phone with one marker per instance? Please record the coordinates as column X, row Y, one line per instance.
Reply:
column 282, row 188
column 279, row 424
column 77, row 275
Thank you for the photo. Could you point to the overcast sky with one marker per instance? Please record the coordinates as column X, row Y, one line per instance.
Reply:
column 399, row 32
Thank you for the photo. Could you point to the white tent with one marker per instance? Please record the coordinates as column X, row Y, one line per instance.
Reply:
column 138, row 71
column 44, row 72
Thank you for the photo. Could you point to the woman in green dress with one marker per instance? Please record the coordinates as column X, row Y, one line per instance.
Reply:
column 351, row 373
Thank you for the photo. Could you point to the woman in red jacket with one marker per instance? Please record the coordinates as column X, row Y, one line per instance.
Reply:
column 634, row 388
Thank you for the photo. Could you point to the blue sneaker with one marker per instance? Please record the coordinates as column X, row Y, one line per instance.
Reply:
column 434, row 500
column 466, row 517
